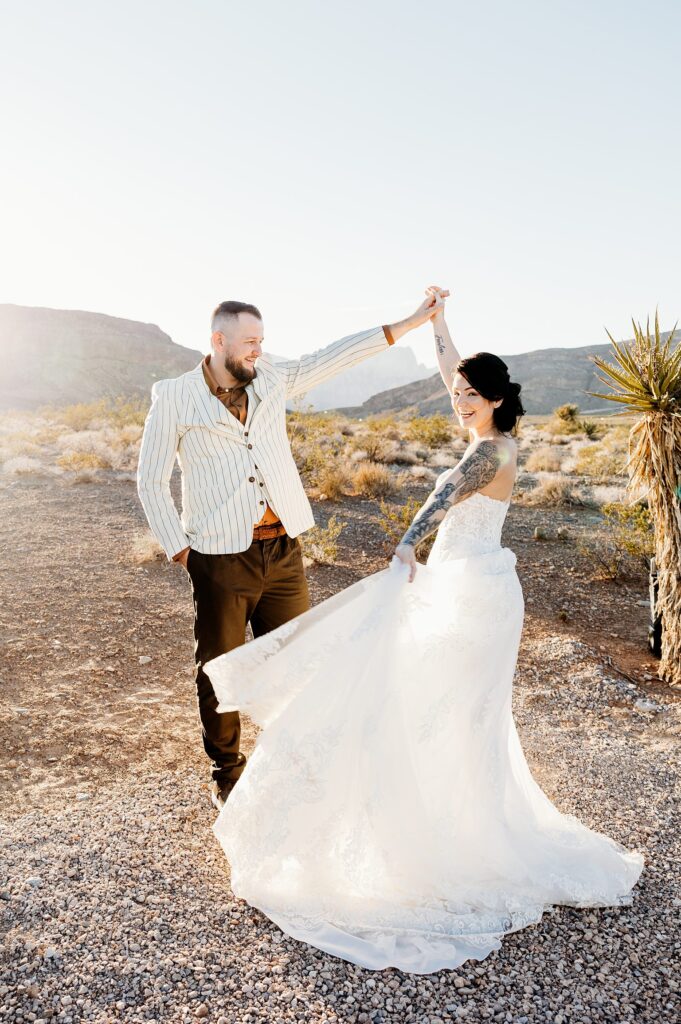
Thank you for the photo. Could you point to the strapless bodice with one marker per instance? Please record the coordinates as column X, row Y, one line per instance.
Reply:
column 471, row 527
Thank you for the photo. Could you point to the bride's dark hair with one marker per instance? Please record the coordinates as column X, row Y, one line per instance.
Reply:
column 489, row 375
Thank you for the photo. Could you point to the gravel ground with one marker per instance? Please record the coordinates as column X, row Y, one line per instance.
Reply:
column 118, row 906
column 115, row 902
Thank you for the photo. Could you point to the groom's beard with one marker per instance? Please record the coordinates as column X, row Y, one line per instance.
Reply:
column 240, row 372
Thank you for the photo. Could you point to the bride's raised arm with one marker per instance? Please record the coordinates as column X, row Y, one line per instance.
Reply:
column 446, row 351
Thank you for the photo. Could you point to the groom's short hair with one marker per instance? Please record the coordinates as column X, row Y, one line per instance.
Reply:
column 230, row 310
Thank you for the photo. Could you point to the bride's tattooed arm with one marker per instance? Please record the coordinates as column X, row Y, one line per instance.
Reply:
column 472, row 474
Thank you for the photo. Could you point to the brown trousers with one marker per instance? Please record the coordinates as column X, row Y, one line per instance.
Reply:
column 265, row 586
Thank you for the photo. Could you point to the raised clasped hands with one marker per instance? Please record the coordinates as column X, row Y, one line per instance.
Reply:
column 437, row 296
column 432, row 306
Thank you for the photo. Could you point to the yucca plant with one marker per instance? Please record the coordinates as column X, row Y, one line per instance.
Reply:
column 646, row 379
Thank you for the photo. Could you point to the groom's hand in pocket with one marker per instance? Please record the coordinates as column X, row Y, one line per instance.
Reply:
column 182, row 557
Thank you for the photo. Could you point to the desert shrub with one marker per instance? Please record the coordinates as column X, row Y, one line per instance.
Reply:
column 553, row 491
column 117, row 412
column 22, row 465
column 385, row 425
column 373, row 446
column 76, row 461
column 320, row 544
column 373, row 481
column 432, row 431
column 602, row 494
column 567, row 413
column 395, row 520
column 564, row 420
column 144, row 548
column 543, row 460
column 600, row 461
column 589, row 428
column 625, row 543
column 405, row 456
column 313, row 424
column 109, row 447
column 422, row 474
column 333, row 480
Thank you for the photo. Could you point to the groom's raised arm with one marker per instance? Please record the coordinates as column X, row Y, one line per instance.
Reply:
column 306, row 373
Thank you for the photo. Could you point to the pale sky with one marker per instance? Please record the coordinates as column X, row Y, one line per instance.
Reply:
column 328, row 161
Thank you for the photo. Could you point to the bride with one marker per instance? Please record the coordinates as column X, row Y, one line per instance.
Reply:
column 387, row 814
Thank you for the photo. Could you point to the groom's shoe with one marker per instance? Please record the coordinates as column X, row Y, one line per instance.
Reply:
column 219, row 793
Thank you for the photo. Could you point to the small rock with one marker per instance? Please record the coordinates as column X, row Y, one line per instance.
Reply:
column 144, row 659
column 540, row 533
column 201, row 1010
column 50, row 953
column 82, row 796
column 35, row 881
column 646, row 705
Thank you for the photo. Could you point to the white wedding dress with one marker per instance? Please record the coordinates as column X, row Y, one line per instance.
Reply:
column 387, row 814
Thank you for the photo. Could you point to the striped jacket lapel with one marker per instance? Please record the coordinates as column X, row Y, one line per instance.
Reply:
column 211, row 412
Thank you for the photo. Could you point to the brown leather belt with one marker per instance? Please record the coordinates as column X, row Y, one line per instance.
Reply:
column 268, row 531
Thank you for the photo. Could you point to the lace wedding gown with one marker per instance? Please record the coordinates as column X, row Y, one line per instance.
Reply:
column 387, row 814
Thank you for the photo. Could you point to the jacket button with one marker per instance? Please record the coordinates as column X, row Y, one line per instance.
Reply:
column 250, row 445
column 261, row 483
column 262, row 502
column 251, row 479
column 245, row 433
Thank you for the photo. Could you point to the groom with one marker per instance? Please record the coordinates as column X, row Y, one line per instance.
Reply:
column 243, row 503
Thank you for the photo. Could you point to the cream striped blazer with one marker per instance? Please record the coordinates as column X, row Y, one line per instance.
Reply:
column 220, row 458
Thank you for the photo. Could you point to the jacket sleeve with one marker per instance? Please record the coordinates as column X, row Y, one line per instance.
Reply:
column 301, row 375
column 157, row 456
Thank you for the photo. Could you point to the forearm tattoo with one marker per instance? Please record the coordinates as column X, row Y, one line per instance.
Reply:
column 475, row 472
column 440, row 344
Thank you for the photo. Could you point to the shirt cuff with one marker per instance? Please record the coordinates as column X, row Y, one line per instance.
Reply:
column 178, row 556
column 388, row 335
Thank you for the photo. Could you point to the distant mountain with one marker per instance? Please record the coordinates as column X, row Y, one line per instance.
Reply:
column 64, row 356
column 549, row 377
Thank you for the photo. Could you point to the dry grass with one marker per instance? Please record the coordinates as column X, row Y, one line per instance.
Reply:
column 553, row 491
column 333, row 481
column 22, row 465
column 431, row 431
column 320, row 544
column 116, row 412
column 374, row 481
column 145, row 549
column 601, row 460
column 543, row 460
column 76, row 461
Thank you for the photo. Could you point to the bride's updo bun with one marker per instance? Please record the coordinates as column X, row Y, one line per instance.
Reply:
column 489, row 375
